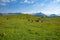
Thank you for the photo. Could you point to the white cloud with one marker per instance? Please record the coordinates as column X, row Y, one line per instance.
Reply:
column 27, row 1
column 56, row 1
column 48, row 12
column 32, row 2
column 52, row 9
column 42, row 4
column 13, row 0
column 3, row 4
column 7, row 1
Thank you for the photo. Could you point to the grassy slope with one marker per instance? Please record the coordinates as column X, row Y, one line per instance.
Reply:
column 17, row 27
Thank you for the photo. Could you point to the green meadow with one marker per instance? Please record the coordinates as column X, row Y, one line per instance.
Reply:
column 29, row 27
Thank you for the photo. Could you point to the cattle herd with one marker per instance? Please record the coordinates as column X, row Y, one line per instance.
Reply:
column 36, row 20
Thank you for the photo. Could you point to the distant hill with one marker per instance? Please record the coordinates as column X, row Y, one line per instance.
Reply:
column 14, row 13
column 10, row 13
column 1, row 14
column 53, row 15
column 40, row 14
column 36, row 14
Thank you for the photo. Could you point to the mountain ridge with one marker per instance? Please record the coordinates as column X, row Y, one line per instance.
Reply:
column 35, row 14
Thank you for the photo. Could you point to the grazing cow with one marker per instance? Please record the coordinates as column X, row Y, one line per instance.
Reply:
column 7, row 18
column 28, row 19
column 38, row 20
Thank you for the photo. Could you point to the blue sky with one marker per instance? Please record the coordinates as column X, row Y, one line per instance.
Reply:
column 30, row 6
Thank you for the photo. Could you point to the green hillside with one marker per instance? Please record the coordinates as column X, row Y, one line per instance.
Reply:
column 28, row 27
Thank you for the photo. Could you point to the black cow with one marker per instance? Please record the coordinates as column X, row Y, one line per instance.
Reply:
column 37, row 20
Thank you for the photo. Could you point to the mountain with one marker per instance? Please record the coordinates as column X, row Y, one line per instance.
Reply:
column 14, row 13
column 40, row 14
column 1, row 14
column 53, row 15
column 10, row 13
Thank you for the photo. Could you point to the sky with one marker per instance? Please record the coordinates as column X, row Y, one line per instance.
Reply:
column 30, row 6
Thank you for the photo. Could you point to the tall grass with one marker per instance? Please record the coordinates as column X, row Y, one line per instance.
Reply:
column 17, row 27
